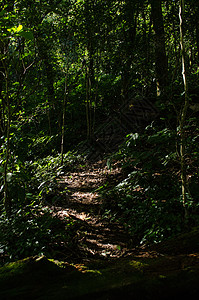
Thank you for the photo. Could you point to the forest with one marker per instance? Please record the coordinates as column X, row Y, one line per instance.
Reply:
column 99, row 142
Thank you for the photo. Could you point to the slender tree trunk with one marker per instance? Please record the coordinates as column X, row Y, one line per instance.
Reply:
column 197, row 32
column 88, row 105
column 95, row 103
column 129, row 33
column 145, row 37
column 161, row 61
column 183, row 114
column 2, row 104
column 7, row 200
column 6, row 114
column 63, row 121
column 90, row 97
column 44, row 55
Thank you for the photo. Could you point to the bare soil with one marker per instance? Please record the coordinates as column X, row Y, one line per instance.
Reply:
column 99, row 237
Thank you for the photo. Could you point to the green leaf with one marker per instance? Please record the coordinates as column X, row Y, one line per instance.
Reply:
column 15, row 29
column 2, row 13
column 109, row 164
column 28, row 35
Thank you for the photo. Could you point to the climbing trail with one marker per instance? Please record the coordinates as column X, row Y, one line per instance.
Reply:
column 98, row 237
column 103, row 264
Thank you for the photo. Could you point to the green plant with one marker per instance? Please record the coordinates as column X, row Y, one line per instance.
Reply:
column 148, row 201
column 33, row 230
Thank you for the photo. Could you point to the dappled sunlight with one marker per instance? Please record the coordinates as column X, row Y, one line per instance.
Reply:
column 96, row 235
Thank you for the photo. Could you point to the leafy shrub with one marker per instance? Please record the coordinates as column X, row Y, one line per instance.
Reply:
column 46, row 172
column 31, row 180
column 33, row 189
column 148, row 201
column 149, row 212
column 34, row 231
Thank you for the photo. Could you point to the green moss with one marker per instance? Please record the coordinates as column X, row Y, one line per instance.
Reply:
column 141, row 278
column 138, row 265
column 14, row 269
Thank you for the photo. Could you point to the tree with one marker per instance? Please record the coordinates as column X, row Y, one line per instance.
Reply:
column 183, row 114
column 161, row 61
column 6, row 115
column 13, row 67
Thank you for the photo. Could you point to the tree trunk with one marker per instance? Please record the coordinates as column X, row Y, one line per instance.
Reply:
column 6, row 112
column 43, row 52
column 90, row 94
column 88, row 105
column 161, row 61
column 7, row 200
column 183, row 112
column 129, row 34
column 63, row 121
column 197, row 32
column 2, row 104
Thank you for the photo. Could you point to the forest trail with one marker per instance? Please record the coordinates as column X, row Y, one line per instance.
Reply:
column 103, row 264
column 98, row 237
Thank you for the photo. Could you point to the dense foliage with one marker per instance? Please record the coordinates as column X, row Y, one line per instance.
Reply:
column 148, row 200
column 65, row 65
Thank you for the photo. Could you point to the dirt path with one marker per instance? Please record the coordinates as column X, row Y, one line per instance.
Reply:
column 98, row 237
column 92, row 270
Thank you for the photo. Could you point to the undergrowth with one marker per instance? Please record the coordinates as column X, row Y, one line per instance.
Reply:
column 32, row 228
column 148, row 200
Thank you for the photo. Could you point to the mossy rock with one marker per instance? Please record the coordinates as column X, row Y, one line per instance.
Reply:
column 164, row 277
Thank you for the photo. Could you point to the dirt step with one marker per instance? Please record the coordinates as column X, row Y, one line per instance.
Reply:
column 96, row 236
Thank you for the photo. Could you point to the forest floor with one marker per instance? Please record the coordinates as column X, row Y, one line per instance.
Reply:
column 98, row 237
column 104, row 264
